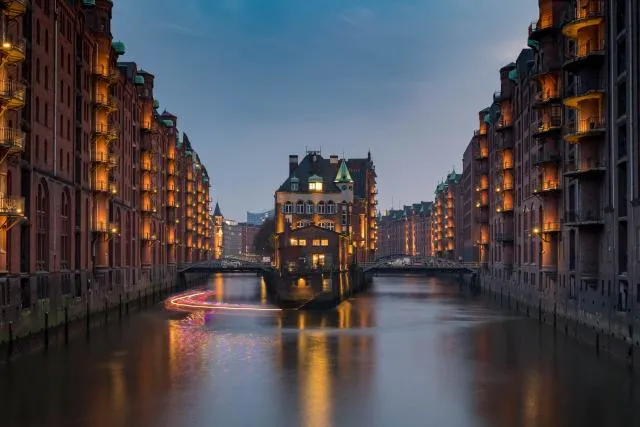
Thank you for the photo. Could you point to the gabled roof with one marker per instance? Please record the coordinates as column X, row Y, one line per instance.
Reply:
column 313, row 165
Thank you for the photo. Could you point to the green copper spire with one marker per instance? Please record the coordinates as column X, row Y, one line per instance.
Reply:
column 343, row 175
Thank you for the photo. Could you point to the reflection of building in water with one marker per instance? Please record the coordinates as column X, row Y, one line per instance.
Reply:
column 319, row 354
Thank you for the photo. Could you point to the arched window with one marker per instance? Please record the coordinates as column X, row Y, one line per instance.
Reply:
column 309, row 210
column 331, row 208
column 65, row 230
column 46, row 77
column 42, row 227
column 38, row 70
column 287, row 208
column 321, row 209
column 299, row 207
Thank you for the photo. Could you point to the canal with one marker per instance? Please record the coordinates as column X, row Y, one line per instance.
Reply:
column 412, row 352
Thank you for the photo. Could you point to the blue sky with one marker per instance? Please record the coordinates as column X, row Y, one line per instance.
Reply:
column 253, row 81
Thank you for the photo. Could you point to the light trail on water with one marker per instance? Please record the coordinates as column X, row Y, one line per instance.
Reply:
column 201, row 300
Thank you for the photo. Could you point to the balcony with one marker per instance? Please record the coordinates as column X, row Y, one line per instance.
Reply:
column 507, row 165
column 106, row 131
column 148, row 166
column 14, row 8
column 585, row 53
column 11, row 206
column 551, row 227
column 538, row 28
column 148, row 208
column 545, row 157
column 148, row 188
column 504, row 237
column 547, row 187
column 106, row 73
column 13, row 49
column 584, row 218
column 11, row 140
column 12, row 94
column 585, row 14
column 479, row 132
column 103, row 227
column 482, row 242
column 483, row 187
column 505, row 208
column 592, row 127
column 586, row 168
column 546, row 126
column 542, row 98
column 504, row 124
column 104, row 159
column 584, row 90
column 104, row 186
column 105, row 102
column 148, row 237
column 505, row 186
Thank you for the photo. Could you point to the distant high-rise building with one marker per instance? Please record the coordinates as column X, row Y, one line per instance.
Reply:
column 257, row 218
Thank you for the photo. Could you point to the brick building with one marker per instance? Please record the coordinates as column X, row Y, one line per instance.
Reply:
column 406, row 231
column 556, row 168
column 445, row 242
column 100, row 196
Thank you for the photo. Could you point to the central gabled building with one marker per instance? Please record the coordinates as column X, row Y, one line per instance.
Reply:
column 318, row 199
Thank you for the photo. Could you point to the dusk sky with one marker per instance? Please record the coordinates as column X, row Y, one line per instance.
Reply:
column 253, row 81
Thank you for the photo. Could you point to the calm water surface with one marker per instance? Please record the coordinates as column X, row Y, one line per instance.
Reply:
column 412, row 352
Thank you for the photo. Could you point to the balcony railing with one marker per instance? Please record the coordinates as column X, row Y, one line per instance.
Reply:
column 587, row 10
column 506, row 165
column 542, row 97
column 107, row 102
column 148, row 166
column 483, row 187
column 149, row 237
column 12, row 94
column 504, row 123
column 547, row 124
column 585, row 166
column 550, row 227
column 584, row 48
column 149, row 208
column 481, row 204
column 481, row 154
column 11, row 206
column 106, row 73
column 583, row 87
column 585, row 127
column 110, row 160
column 105, row 227
column 479, row 132
column 544, row 23
column 108, row 131
column 11, row 140
column 13, row 48
column 14, row 8
column 547, row 186
column 584, row 217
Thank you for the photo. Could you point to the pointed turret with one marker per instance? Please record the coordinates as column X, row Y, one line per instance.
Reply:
column 343, row 176
column 217, row 211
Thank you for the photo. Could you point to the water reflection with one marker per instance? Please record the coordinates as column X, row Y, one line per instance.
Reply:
column 412, row 352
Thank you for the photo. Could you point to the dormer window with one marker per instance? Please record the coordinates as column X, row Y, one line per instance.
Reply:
column 295, row 184
column 315, row 183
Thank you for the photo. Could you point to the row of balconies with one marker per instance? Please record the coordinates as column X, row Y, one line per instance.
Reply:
column 12, row 94
column 579, row 16
column 14, row 8
column 104, row 186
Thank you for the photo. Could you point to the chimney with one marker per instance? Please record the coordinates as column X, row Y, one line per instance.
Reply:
column 333, row 159
column 293, row 164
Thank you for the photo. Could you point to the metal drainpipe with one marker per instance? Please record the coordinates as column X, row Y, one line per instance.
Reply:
column 612, row 133
column 55, row 122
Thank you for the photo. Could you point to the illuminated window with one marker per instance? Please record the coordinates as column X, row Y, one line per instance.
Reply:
column 316, row 242
column 303, row 223
column 294, row 242
column 302, row 242
column 325, row 242
column 315, row 186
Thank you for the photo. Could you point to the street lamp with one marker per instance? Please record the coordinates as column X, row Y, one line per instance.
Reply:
column 537, row 233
